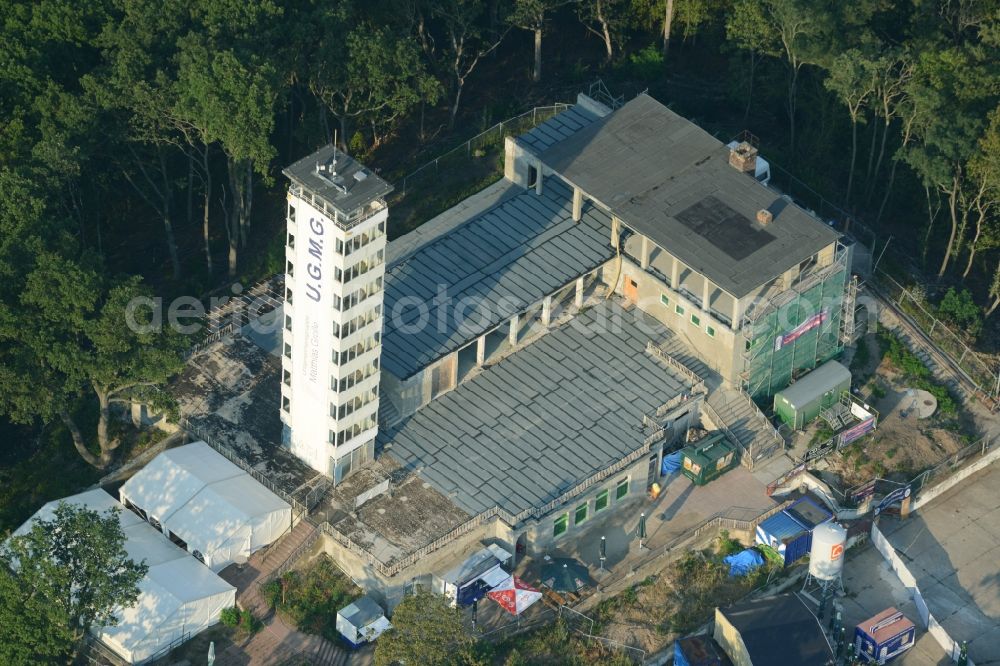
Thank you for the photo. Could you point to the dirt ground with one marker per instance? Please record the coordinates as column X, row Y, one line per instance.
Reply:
column 903, row 444
column 672, row 603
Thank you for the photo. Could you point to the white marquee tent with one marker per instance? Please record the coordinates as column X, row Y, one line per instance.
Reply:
column 217, row 509
column 178, row 597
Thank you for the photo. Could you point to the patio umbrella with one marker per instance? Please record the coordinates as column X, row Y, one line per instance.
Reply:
column 514, row 595
column 564, row 574
column 641, row 530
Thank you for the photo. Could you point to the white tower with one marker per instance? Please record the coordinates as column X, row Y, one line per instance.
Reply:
column 332, row 338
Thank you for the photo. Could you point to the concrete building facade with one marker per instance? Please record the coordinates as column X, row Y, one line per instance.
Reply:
column 335, row 267
column 521, row 360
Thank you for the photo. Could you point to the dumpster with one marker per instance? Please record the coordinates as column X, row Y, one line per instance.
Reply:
column 708, row 458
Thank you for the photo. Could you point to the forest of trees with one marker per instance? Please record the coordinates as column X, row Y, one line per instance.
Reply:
column 141, row 141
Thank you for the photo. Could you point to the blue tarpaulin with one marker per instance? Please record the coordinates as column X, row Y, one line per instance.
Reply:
column 740, row 564
column 671, row 463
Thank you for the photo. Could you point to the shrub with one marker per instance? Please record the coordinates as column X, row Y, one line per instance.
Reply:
column 959, row 309
column 646, row 64
column 230, row 617
column 313, row 597
column 901, row 357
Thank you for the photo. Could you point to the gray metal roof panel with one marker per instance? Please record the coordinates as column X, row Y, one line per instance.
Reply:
column 549, row 432
column 527, row 248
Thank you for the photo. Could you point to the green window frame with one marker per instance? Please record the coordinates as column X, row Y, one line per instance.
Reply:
column 580, row 514
column 621, row 489
column 679, row 309
column 602, row 501
column 696, row 320
column 560, row 525
column 710, row 331
column 664, row 299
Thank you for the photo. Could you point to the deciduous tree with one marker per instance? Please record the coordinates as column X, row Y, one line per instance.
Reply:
column 425, row 630
column 65, row 575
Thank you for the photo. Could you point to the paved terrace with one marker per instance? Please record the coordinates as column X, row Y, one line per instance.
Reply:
column 952, row 547
column 534, row 425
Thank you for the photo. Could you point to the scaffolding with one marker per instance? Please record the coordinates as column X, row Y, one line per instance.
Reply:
column 797, row 329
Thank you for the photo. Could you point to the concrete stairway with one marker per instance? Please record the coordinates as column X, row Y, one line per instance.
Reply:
column 679, row 350
column 919, row 347
column 263, row 563
column 742, row 419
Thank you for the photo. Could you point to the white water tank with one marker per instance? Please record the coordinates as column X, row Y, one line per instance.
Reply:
column 826, row 558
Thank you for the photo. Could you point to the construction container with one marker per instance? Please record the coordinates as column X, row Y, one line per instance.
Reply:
column 789, row 532
column 800, row 404
column 708, row 458
column 880, row 638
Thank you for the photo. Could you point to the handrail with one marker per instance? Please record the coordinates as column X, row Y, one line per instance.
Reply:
column 697, row 382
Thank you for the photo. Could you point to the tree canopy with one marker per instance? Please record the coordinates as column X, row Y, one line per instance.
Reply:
column 64, row 576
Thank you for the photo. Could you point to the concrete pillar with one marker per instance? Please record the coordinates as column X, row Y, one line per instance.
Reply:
column 736, row 314
column 481, row 350
column 675, row 273
column 644, row 259
column 577, row 204
column 538, row 179
column 706, row 292
column 454, row 370
column 578, row 297
column 904, row 507
column 788, row 277
column 546, row 311
column 515, row 323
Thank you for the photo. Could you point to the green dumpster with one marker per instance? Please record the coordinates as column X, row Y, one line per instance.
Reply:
column 708, row 458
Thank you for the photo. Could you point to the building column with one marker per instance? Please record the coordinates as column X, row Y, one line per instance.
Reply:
column 675, row 274
column 578, row 297
column 481, row 350
column 577, row 204
column 705, row 293
column 515, row 323
column 546, row 311
column 736, row 314
column 538, row 179
column 644, row 259
column 615, row 230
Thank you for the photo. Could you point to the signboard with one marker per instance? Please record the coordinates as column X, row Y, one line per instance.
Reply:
column 311, row 336
column 856, row 431
column 897, row 495
column 864, row 491
column 809, row 324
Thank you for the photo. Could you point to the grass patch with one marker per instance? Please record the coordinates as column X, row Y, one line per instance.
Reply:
column 310, row 599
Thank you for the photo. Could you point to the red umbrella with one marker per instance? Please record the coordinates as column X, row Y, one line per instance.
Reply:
column 514, row 595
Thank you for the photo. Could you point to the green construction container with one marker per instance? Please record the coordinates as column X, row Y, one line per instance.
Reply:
column 800, row 404
column 708, row 458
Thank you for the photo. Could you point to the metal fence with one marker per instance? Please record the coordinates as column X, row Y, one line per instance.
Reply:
column 459, row 157
column 947, row 466
column 976, row 366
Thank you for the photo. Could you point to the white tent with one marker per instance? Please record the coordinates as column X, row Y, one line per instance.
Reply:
column 178, row 597
column 217, row 509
